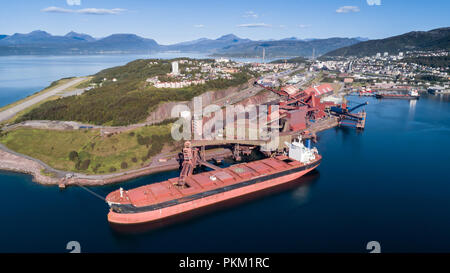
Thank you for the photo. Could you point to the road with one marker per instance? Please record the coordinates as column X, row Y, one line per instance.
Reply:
column 9, row 113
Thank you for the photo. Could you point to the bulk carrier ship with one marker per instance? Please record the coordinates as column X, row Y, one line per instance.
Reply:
column 190, row 192
column 411, row 95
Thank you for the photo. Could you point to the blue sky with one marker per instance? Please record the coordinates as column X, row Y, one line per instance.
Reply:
column 170, row 21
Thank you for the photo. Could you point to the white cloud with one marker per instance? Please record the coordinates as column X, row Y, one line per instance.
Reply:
column 57, row 10
column 374, row 2
column 199, row 26
column 304, row 25
column 73, row 2
column 100, row 11
column 250, row 14
column 347, row 9
column 94, row 11
column 255, row 25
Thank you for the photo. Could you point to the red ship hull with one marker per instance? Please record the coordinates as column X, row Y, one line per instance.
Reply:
column 242, row 188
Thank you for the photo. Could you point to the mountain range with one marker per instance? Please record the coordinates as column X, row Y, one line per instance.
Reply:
column 285, row 48
column 436, row 39
column 42, row 43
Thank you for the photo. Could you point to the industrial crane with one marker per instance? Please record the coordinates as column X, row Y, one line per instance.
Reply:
column 344, row 110
column 296, row 101
column 281, row 92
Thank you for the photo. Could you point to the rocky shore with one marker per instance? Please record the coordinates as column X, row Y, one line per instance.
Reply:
column 43, row 174
column 15, row 163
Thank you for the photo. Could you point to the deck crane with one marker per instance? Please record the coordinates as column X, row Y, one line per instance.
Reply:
column 189, row 159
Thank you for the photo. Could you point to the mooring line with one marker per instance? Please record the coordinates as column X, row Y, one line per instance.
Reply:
column 93, row 193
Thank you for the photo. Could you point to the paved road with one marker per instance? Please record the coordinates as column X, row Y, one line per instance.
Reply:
column 9, row 113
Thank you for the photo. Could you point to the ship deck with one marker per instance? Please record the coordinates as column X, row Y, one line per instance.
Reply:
column 165, row 191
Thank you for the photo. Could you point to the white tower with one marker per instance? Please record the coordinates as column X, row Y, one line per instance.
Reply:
column 175, row 68
column 264, row 55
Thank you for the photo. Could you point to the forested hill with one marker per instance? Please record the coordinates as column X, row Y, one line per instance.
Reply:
column 123, row 97
column 417, row 40
column 442, row 62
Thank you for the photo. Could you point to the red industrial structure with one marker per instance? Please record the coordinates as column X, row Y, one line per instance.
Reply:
column 303, row 106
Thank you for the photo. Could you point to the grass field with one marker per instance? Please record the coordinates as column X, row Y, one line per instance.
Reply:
column 94, row 154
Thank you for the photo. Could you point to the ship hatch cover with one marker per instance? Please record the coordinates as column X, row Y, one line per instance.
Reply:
column 239, row 170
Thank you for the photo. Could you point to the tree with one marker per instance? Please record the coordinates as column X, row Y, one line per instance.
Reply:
column 124, row 165
column 84, row 164
column 73, row 155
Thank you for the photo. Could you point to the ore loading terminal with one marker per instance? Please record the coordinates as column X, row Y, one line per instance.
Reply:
column 300, row 116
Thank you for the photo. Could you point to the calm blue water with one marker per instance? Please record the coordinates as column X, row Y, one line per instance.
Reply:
column 389, row 183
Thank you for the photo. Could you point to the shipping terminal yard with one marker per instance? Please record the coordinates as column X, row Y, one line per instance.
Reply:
column 301, row 112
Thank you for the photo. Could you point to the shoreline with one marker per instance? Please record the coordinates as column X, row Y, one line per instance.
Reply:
column 44, row 174
column 19, row 163
column 14, row 162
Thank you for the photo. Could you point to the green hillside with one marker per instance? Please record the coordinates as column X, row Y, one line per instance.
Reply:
column 126, row 100
column 432, row 61
column 417, row 40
